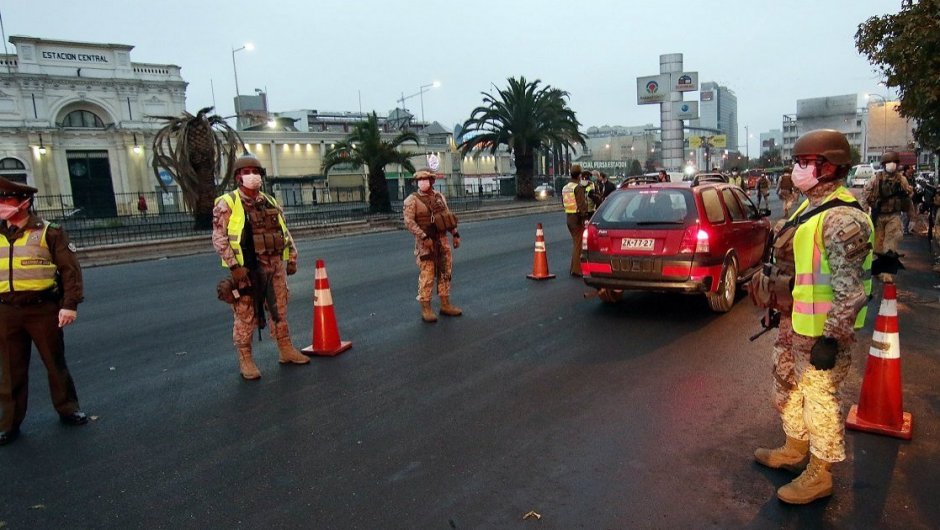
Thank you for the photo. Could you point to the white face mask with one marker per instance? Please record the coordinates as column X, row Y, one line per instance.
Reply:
column 8, row 211
column 251, row 181
column 891, row 167
column 804, row 178
column 424, row 185
column 584, row 182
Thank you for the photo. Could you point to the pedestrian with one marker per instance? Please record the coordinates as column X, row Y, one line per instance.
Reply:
column 251, row 237
column 909, row 216
column 604, row 186
column 575, row 201
column 785, row 191
column 663, row 176
column 736, row 178
column 39, row 296
column 888, row 194
column 429, row 219
column 824, row 252
column 141, row 205
column 763, row 190
column 593, row 197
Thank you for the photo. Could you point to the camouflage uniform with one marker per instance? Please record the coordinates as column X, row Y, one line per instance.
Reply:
column 886, row 208
column 271, row 265
column 808, row 398
column 436, row 263
column 786, row 193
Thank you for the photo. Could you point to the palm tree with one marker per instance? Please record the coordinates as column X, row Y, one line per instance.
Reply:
column 192, row 149
column 364, row 146
column 526, row 119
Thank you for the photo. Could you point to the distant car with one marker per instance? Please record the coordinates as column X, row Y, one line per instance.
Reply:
column 859, row 175
column 702, row 239
column 652, row 178
column 544, row 192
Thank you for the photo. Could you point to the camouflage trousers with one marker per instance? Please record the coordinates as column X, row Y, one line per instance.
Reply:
column 788, row 197
column 888, row 232
column 808, row 399
column 435, row 265
column 245, row 319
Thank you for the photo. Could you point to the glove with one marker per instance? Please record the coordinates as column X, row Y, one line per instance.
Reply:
column 240, row 274
column 888, row 262
column 291, row 268
column 823, row 354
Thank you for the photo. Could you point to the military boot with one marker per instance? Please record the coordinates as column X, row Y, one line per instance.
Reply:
column 289, row 354
column 814, row 483
column 427, row 314
column 246, row 364
column 449, row 310
column 791, row 456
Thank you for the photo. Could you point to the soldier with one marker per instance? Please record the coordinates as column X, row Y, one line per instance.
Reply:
column 763, row 191
column 785, row 191
column 427, row 216
column 888, row 194
column 736, row 178
column 249, row 234
column 819, row 280
column 574, row 199
column 39, row 295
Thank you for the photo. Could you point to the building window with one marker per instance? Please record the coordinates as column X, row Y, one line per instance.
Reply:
column 13, row 170
column 84, row 119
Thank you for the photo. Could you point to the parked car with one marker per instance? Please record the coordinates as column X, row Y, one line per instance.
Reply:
column 858, row 176
column 543, row 192
column 702, row 239
column 639, row 179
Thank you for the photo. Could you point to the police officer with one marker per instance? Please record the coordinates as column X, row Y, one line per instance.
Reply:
column 819, row 280
column 736, row 178
column 39, row 295
column 428, row 218
column 888, row 194
column 251, row 237
column 785, row 191
column 575, row 201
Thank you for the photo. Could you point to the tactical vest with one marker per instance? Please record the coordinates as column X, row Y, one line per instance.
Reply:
column 786, row 183
column 887, row 195
column 568, row 198
column 268, row 231
column 434, row 218
column 812, row 291
column 27, row 262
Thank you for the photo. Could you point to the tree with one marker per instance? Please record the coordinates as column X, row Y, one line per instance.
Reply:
column 526, row 119
column 771, row 158
column 904, row 48
column 364, row 146
column 192, row 149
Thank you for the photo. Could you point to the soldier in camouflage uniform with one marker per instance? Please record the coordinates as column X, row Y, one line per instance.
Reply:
column 426, row 216
column 249, row 234
column 821, row 292
column 888, row 194
column 785, row 191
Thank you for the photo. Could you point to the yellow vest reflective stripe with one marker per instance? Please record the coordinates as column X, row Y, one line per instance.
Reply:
column 236, row 225
column 567, row 197
column 812, row 289
column 587, row 196
column 28, row 262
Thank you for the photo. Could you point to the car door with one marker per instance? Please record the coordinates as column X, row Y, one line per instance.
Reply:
column 755, row 236
column 737, row 230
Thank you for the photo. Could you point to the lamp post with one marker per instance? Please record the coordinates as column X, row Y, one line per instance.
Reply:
column 420, row 93
column 238, row 118
column 884, row 121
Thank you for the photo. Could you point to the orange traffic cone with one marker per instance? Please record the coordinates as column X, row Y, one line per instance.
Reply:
column 880, row 409
column 325, row 333
column 540, row 262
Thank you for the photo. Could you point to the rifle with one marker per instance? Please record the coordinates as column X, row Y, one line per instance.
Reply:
column 769, row 321
column 262, row 291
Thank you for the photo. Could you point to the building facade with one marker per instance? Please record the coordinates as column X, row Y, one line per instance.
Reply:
column 831, row 112
column 718, row 111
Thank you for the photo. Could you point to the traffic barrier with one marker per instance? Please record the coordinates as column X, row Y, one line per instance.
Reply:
column 326, row 340
column 540, row 261
column 880, row 407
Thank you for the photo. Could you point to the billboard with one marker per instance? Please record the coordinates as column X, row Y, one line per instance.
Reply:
column 707, row 95
column 685, row 81
column 685, row 110
column 652, row 89
column 719, row 141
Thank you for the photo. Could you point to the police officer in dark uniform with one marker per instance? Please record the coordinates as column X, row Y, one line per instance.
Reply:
column 40, row 289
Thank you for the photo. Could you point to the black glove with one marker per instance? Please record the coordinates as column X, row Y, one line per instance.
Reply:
column 240, row 274
column 291, row 268
column 888, row 262
column 823, row 354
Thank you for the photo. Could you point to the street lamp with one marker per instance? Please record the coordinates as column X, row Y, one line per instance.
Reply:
column 884, row 121
column 248, row 46
column 420, row 93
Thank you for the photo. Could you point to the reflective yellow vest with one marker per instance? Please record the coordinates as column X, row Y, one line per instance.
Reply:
column 28, row 262
column 588, row 190
column 568, row 199
column 812, row 290
column 236, row 225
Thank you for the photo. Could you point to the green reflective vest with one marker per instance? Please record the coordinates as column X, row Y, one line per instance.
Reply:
column 236, row 224
column 27, row 262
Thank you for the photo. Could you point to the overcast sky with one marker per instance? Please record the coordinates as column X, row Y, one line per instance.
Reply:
column 315, row 54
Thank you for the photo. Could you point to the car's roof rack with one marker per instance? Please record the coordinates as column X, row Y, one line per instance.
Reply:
column 703, row 178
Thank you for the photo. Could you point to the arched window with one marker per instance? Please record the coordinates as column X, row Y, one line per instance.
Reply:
column 83, row 118
column 13, row 170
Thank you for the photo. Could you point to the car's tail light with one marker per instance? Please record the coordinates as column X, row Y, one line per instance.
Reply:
column 590, row 233
column 694, row 241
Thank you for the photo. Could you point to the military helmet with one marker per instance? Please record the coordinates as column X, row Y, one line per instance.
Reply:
column 424, row 174
column 247, row 160
column 890, row 156
column 827, row 143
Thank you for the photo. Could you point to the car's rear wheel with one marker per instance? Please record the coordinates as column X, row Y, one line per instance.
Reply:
column 610, row 296
column 722, row 300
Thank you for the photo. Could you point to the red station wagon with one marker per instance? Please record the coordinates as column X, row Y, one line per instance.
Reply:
column 706, row 238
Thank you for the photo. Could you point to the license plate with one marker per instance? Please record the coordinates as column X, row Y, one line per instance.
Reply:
column 636, row 244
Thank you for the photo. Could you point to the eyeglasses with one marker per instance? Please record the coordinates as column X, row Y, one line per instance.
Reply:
column 804, row 161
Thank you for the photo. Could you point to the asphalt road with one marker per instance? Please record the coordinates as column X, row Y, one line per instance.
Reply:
column 642, row 414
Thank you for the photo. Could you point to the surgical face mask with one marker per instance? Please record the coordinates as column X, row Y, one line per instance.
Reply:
column 9, row 211
column 584, row 182
column 804, row 178
column 891, row 167
column 251, row 181
column 424, row 185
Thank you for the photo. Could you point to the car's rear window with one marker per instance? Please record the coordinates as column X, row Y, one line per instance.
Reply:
column 634, row 207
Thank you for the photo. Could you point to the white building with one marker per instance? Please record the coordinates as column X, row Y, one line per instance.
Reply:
column 718, row 110
column 832, row 112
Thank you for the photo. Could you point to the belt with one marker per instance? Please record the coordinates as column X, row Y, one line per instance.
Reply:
column 39, row 298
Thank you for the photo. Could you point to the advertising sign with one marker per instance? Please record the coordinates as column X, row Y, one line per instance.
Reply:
column 685, row 81
column 652, row 89
column 707, row 95
column 718, row 141
column 686, row 110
